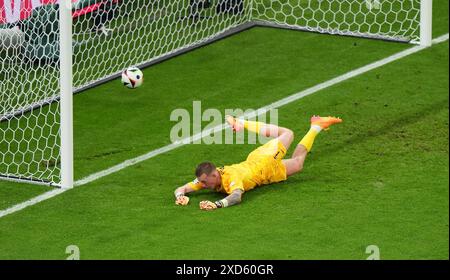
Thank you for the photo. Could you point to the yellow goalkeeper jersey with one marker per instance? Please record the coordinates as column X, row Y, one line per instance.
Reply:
column 262, row 166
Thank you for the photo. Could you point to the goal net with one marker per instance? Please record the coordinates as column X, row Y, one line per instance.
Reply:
column 111, row 35
column 29, row 120
column 397, row 20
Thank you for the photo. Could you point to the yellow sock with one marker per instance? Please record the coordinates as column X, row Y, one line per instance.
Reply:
column 308, row 139
column 252, row 125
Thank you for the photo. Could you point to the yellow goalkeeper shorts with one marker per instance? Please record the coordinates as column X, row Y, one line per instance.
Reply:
column 267, row 160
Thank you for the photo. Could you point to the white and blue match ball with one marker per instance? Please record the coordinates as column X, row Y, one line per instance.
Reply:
column 132, row 77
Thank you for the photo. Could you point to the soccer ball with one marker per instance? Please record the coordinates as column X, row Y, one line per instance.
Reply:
column 132, row 77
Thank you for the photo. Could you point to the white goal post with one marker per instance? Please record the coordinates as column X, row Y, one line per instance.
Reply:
column 51, row 49
column 426, row 18
column 66, row 107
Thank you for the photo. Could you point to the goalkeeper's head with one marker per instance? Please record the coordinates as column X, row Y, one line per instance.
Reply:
column 206, row 172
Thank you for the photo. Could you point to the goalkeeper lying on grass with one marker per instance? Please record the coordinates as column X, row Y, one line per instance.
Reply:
column 263, row 166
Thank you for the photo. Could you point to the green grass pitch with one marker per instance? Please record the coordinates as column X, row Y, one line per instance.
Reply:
column 380, row 178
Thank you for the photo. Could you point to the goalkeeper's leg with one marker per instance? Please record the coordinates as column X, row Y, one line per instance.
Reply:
column 295, row 164
column 284, row 135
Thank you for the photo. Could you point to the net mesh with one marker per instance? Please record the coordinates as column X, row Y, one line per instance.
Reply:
column 384, row 19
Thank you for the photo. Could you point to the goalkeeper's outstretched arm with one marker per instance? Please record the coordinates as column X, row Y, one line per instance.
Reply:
column 234, row 198
column 184, row 190
column 180, row 194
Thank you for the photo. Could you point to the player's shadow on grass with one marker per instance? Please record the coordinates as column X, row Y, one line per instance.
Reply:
column 207, row 195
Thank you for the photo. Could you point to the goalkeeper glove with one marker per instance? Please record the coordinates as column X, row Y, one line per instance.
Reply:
column 207, row 205
column 182, row 200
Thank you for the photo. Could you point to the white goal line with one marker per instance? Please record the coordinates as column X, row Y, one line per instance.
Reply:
column 262, row 110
